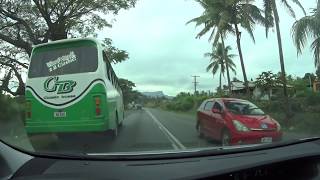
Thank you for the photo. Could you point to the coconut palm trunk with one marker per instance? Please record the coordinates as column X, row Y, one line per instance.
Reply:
column 220, row 83
column 241, row 59
column 283, row 72
column 226, row 62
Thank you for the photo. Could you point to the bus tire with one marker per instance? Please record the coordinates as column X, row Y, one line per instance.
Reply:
column 121, row 123
column 114, row 132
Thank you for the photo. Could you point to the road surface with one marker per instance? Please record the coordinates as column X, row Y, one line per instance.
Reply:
column 143, row 130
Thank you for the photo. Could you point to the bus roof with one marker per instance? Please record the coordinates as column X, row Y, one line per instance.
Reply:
column 67, row 40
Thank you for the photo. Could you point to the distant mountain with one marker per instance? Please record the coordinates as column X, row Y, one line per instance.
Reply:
column 156, row 94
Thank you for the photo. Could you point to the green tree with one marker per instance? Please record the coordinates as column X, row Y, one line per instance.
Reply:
column 27, row 23
column 272, row 18
column 211, row 19
column 128, row 93
column 308, row 27
column 217, row 62
column 266, row 81
column 229, row 14
column 115, row 55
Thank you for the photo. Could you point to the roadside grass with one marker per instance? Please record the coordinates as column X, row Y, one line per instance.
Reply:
column 307, row 123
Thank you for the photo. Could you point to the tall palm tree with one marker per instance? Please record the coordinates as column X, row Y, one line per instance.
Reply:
column 229, row 14
column 308, row 27
column 211, row 19
column 218, row 62
column 272, row 17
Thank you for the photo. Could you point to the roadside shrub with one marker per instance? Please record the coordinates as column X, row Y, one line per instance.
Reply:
column 297, row 105
column 313, row 99
column 10, row 109
column 187, row 103
column 302, row 94
column 269, row 106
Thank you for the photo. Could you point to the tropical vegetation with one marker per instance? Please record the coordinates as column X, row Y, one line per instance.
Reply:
column 218, row 62
column 308, row 27
column 225, row 17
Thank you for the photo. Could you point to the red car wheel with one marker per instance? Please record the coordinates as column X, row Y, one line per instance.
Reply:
column 225, row 138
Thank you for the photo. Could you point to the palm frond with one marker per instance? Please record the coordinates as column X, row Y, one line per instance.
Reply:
column 212, row 34
column 206, row 29
column 300, row 5
column 248, row 26
column 252, row 11
column 215, row 69
column 198, row 20
column 209, row 67
column 269, row 19
column 208, row 55
column 231, row 56
column 315, row 46
column 301, row 29
column 289, row 8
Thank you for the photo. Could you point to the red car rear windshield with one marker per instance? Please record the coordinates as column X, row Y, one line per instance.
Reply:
column 243, row 108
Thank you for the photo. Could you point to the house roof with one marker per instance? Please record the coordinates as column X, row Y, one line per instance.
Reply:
column 239, row 85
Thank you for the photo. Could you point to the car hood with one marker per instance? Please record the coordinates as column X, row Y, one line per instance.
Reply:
column 256, row 121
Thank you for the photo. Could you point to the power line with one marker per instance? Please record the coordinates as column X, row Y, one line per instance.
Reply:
column 195, row 82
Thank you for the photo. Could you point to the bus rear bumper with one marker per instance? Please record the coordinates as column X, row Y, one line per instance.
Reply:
column 63, row 127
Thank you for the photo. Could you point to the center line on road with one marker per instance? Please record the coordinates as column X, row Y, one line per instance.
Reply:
column 177, row 145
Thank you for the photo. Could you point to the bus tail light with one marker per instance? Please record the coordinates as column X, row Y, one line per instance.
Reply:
column 97, row 101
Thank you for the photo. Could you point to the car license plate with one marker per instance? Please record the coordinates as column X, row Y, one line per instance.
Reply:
column 59, row 114
column 266, row 139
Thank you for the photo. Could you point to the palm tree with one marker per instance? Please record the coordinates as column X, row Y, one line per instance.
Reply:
column 272, row 17
column 212, row 19
column 306, row 27
column 217, row 61
column 229, row 14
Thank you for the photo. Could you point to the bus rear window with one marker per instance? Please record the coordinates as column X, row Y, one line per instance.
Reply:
column 61, row 61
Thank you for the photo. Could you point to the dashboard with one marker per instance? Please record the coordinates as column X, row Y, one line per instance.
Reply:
column 292, row 161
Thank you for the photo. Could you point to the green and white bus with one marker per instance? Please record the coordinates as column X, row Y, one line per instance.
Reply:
column 71, row 87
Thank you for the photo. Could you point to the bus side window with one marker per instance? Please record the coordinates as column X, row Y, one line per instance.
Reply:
column 112, row 78
column 108, row 66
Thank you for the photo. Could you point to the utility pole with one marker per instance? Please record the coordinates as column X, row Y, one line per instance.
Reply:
column 195, row 82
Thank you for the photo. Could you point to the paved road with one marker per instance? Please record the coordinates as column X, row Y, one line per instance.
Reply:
column 142, row 130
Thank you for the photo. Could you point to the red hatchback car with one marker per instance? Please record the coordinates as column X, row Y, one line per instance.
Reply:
column 235, row 122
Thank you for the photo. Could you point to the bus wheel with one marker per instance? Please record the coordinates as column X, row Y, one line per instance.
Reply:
column 121, row 124
column 115, row 130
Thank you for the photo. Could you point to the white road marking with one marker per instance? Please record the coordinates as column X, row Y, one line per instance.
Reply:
column 177, row 145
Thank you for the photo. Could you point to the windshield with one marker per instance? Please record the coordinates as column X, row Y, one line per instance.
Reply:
column 93, row 78
column 68, row 60
column 243, row 108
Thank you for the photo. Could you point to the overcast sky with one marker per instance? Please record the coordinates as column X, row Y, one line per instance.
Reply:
column 164, row 52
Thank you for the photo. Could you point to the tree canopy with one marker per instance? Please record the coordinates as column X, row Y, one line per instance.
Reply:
column 128, row 93
column 30, row 22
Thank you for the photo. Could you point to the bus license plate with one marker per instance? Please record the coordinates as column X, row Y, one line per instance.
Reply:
column 266, row 140
column 59, row 114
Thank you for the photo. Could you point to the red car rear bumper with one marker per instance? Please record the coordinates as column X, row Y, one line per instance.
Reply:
column 255, row 137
